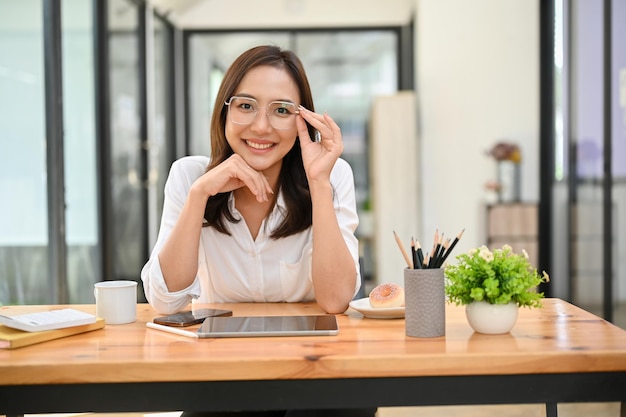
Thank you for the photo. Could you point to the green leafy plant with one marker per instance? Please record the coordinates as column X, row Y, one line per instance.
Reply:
column 497, row 277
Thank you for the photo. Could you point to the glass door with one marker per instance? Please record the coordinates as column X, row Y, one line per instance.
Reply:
column 79, row 143
column 23, row 184
column 590, row 65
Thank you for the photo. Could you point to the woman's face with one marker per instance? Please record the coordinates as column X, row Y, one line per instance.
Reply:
column 260, row 144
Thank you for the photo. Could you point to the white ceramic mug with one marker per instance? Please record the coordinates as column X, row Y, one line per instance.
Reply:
column 116, row 301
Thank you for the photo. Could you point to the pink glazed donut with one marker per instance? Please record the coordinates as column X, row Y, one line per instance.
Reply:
column 387, row 296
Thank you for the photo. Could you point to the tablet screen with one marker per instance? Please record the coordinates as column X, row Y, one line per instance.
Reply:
column 269, row 326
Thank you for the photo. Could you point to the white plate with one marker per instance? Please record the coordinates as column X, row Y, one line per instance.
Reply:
column 363, row 306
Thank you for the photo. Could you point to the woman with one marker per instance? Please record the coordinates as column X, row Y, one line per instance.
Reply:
column 271, row 216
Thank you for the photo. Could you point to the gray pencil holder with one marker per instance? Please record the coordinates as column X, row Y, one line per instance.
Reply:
column 425, row 302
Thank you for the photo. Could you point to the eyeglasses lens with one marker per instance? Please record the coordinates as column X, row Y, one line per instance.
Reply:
column 281, row 114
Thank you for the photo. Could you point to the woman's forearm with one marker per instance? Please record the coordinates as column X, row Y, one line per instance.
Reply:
column 179, row 254
column 333, row 268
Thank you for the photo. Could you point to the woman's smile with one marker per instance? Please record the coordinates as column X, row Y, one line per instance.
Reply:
column 260, row 145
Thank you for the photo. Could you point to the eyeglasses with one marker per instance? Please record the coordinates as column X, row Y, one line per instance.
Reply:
column 243, row 111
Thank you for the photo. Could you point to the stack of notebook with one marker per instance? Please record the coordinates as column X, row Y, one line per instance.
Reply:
column 27, row 329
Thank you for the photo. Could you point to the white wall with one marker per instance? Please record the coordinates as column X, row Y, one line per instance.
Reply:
column 477, row 65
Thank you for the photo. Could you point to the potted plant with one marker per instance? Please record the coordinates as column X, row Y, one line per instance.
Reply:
column 493, row 284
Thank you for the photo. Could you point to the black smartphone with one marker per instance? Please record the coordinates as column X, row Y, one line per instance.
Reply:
column 189, row 318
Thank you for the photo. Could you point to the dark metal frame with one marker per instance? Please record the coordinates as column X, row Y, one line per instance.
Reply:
column 549, row 389
column 184, row 75
column 143, row 127
column 179, row 88
column 406, row 60
column 103, row 136
column 571, row 190
column 170, row 89
column 607, row 185
column 546, row 136
column 55, row 168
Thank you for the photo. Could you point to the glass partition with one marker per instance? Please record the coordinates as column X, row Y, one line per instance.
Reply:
column 162, row 141
column 80, row 150
column 23, row 184
column 592, row 196
column 129, row 211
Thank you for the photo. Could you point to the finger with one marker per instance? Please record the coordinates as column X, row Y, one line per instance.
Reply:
column 303, row 131
column 334, row 128
column 258, row 184
column 310, row 115
column 265, row 184
column 314, row 119
column 256, row 181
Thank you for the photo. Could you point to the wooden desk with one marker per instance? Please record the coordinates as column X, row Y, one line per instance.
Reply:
column 559, row 353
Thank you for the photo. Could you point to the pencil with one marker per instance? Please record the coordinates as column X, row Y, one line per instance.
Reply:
column 409, row 263
column 442, row 252
column 416, row 262
column 454, row 242
column 420, row 253
column 433, row 251
column 439, row 251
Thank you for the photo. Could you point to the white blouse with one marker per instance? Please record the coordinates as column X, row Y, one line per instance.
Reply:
column 237, row 268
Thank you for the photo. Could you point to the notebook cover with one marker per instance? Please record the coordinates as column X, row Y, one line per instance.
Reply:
column 14, row 338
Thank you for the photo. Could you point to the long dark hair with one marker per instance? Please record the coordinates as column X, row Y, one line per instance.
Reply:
column 292, row 179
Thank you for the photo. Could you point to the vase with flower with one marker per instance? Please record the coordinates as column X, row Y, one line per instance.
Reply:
column 493, row 285
column 508, row 157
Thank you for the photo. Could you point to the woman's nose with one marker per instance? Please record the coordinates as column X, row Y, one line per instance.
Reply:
column 261, row 122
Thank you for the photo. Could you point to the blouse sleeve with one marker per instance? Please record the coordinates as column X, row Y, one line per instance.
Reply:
column 182, row 175
column 342, row 180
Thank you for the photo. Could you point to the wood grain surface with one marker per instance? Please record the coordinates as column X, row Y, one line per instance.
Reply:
column 558, row 338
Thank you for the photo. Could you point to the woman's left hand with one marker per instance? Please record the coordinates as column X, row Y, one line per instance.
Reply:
column 319, row 157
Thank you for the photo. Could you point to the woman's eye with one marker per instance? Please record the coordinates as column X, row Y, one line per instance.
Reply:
column 284, row 110
column 246, row 106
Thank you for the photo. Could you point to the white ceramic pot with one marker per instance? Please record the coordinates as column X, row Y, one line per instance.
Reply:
column 491, row 318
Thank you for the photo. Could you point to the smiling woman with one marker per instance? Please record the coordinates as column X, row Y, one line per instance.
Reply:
column 344, row 81
column 270, row 217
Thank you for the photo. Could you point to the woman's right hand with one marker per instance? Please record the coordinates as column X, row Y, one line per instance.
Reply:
column 231, row 175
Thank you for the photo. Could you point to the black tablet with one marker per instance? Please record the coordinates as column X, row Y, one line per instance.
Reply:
column 321, row 325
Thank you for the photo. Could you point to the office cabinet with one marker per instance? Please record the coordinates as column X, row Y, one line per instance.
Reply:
column 514, row 224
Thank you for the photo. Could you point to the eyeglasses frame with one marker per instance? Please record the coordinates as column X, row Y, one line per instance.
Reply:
column 229, row 102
